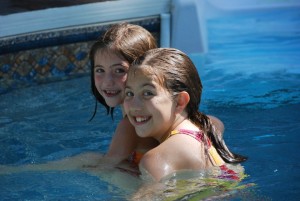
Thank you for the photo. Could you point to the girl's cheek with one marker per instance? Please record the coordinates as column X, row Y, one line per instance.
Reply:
column 124, row 78
column 126, row 106
column 97, row 78
column 122, row 81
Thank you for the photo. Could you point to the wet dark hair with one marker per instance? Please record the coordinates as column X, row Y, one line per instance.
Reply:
column 126, row 40
column 175, row 71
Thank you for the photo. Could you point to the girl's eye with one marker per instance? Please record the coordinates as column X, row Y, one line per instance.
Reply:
column 99, row 70
column 120, row 70
column 148, row 93
column 128, row 94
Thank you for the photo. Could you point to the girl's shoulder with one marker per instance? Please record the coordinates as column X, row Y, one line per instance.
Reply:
column 162, row 154
column 155, row 163
column 181, row 152
column 176, row 150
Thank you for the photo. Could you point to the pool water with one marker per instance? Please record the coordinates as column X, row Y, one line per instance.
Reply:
column 251, row 81
column 251, row 78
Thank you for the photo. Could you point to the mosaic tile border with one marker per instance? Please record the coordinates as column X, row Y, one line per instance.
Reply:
column 53, row 55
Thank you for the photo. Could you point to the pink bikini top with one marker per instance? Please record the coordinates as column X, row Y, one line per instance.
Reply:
column 212, row 152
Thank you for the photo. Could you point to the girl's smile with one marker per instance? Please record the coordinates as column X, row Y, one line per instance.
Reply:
column 111, row 93
column 141, row 119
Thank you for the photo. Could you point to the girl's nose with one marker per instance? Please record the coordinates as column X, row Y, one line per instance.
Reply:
column 136, row 103
column 108, row 79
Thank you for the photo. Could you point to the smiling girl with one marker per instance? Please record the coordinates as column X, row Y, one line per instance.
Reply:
column 110, row 58
column 162, row 98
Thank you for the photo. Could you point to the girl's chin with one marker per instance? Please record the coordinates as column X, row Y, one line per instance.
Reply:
column 142, row 133
column 113, row 103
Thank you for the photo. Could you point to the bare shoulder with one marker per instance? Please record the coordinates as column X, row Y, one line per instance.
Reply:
column 167, row 158
column 157, row 162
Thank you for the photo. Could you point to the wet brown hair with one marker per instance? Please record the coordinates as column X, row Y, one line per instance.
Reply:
column 175, row 71
column 126, row 40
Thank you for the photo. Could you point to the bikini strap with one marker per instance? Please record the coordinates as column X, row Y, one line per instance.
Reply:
column 198, row 135
column 201, row 137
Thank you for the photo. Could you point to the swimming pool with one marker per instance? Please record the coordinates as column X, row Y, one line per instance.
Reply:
column 251, row 78
column 251, row 81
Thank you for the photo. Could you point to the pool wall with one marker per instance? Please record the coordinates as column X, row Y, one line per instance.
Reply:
column 52, row 55
column 53, row 44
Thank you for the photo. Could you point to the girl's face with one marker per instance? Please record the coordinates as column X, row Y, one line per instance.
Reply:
column 149, row 106
column 110, row 74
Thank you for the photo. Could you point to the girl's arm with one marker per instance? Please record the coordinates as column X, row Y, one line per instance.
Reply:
column 125, row 141
column 78, row 162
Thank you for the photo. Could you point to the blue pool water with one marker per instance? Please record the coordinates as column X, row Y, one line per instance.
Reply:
column 251, row 81
column 251, row 78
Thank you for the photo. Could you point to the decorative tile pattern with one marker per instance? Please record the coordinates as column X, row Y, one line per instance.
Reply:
column 53, row 55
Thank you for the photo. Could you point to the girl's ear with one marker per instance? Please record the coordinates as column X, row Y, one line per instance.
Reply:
column 183, row 98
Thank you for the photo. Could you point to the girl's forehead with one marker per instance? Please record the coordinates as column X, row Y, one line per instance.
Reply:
column 108, row 57
column 145, row 73
column 106, row 52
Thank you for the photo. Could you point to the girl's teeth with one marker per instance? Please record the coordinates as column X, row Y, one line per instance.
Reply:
column 111, row 91
column 141, row 119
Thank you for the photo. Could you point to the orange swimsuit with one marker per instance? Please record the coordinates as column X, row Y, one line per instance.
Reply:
column 135, row 157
